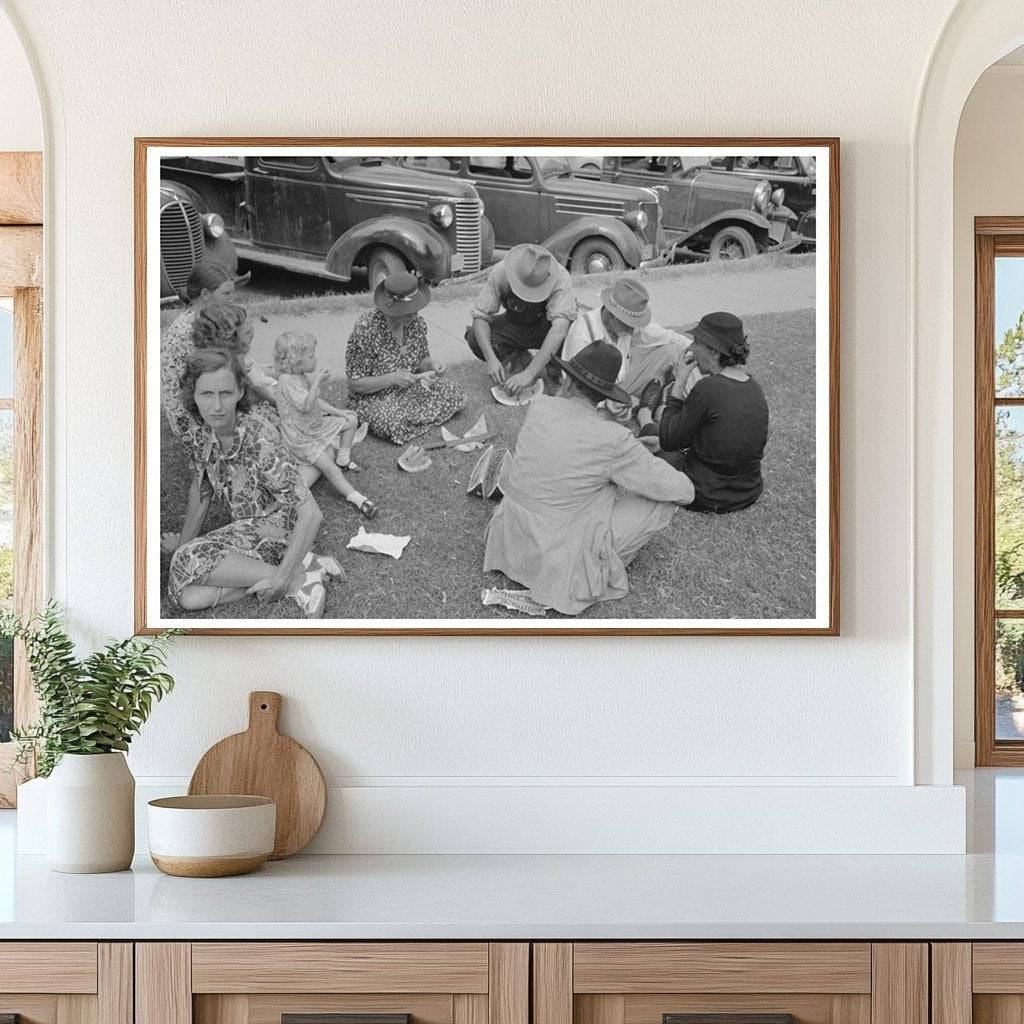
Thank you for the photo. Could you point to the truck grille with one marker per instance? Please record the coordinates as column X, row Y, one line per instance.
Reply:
column 181, row 241
column 467, row 232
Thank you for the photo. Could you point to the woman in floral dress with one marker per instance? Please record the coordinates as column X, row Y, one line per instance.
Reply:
column 265, row 549
column 393, row 382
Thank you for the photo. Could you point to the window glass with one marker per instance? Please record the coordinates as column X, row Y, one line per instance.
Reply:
column 1009, row 327
column 6, row 566
column 6, row 349
column 1009, row 511
column 447, row 164
column 516, row 168
column 1009, row 679
column 291, row 163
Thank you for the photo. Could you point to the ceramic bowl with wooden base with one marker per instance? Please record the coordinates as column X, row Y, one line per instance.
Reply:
column 211, row 836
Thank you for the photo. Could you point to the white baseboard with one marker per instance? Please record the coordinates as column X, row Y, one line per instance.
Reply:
column 600, row 819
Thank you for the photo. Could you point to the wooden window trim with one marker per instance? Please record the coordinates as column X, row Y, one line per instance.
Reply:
column 993, row 236
column 21, row 263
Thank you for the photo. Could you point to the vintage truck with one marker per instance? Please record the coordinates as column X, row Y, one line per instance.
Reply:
column 590, row 226
column 710, row 214
column 338, row 216
column 796, row 175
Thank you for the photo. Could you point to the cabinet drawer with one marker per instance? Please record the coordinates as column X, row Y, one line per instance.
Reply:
column 66, row 982
column 48, row 967
column 638, row 967
column 340, row 967
column 261, row 982
column 749, row 982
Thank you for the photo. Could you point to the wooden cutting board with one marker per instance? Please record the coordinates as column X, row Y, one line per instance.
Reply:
column 262, row 762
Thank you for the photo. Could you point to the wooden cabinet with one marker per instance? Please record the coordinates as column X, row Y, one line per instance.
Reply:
column 66, row 982
column 259, row 982
column 979, row 982
column 815, row 982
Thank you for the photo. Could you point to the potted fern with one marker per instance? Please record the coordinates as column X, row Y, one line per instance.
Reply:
column 89, row 710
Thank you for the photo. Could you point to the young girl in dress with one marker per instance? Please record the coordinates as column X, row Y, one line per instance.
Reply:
column 316, row 433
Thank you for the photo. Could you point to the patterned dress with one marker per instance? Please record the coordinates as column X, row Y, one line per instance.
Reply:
column 175, row 348
column 398, row 414
column 307, row 435
column 260, row 484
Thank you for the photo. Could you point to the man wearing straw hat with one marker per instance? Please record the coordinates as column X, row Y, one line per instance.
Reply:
column 649, row 351
column 521, row 317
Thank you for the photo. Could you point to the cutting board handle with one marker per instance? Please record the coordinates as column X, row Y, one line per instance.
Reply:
column 264, row 710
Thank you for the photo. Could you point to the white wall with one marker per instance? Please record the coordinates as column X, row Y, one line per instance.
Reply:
column 988, row 181
column 444, row 713
column 21, row 124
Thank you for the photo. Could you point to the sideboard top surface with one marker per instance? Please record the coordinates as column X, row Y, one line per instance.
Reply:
column 530, row 897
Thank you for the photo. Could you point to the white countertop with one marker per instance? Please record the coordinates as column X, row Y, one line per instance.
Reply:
column 978, row 896
column 532, row 897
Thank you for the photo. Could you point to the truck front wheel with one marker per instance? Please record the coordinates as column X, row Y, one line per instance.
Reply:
column 381, row 262
column 595, row 256
column 732, row 243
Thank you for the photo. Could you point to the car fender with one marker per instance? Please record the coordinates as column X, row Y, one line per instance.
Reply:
column 755, row 223
column 422, row 246
column 620, row 234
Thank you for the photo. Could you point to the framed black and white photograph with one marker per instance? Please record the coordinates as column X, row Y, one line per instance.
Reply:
column 487, row 386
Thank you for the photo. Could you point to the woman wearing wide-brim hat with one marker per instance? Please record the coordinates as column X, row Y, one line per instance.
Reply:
column 393, row 382
column 582, row 495
column 717, row 433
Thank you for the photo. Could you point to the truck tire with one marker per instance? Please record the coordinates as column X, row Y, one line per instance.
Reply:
column 595, row 256
column 732, row 243
column 383, row 261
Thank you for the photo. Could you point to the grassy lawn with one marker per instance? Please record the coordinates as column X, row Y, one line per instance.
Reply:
column 758, row 563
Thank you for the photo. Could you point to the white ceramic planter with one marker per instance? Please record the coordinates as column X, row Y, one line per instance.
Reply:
column 90, row 814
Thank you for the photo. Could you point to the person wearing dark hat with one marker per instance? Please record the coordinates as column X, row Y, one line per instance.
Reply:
column 582, row 496
column 522, row 316
column 716, row 434
column 649, row 351
column 393, row 382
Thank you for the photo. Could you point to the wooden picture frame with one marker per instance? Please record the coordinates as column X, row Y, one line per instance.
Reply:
column 826, row 621
column 21, row 263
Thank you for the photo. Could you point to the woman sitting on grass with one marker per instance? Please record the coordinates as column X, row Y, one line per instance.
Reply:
column 716, row 434
column 265, row 549
column 224, row 326
column 317, row 434
column 209, row 285
column 393, row 382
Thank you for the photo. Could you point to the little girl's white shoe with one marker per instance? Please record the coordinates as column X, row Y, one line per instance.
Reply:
column 314, row 562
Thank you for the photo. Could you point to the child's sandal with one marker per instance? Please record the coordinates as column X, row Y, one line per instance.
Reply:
column 349, row 467
column 362, row 504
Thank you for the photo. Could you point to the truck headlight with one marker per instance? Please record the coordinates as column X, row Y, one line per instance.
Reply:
column 779, row 197
column 636, row 219
column 443, row 214
column 214, row 225
column 762, row 197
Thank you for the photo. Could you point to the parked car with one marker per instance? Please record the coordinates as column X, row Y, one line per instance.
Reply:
column 797, row 175
column 185, row 236
column 590, row 226
column 336, row 216
column 706, row 213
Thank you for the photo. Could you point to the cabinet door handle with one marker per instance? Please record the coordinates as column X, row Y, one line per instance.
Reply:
column 728, row 1018
column 338, row 1018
